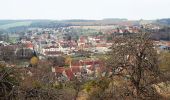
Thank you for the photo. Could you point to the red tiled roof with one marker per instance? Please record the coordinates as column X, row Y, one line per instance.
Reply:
column 59, row 69
column 29, row 45
column 89, row 62
column 69, row 73
column 101, row 69
column 75, row 69
column 76, row 63
column 168, row 43
column 51, row 47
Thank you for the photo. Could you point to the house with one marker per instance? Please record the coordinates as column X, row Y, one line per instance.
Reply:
column 50, row 48
column 76, row 69
column 52, row 51
column 90, row 70
column 62, row 73
column 79, row 69
column 59, row 73
column 69, row 73
column 89, row 65
column 29, row 46
column 3, row 43
column 102, row 48
column 82, row 41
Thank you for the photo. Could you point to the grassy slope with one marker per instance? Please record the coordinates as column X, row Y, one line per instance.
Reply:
column 15, row 24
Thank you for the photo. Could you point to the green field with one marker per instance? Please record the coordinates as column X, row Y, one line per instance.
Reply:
column 15, row 24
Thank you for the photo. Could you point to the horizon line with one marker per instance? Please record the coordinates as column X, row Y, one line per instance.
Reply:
column 82, row 19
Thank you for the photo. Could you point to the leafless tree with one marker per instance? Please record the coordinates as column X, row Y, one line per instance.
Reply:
column 134, row 58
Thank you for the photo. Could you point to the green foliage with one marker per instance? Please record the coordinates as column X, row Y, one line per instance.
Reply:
column 100, row 33
column 15, row 24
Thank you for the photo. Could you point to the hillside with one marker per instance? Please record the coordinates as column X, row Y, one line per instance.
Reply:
column 163, row 21
column 10, row 24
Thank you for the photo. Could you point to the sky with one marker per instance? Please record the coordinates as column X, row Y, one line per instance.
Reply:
column 84, row 9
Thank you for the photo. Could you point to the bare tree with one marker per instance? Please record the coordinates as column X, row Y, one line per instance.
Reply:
column 134, row 58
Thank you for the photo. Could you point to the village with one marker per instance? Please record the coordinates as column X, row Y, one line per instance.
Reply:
column 83, row 53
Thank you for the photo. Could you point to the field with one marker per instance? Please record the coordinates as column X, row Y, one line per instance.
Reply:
column 15, row 24
column 100, row 27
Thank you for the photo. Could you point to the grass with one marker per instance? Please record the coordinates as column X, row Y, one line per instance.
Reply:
column 15, row 24
column 165, row 62
column 12, row 40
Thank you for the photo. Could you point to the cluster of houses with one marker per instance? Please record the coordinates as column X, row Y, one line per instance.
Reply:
column 51, row 42
column 83, row 69
column 127, row 29
column 52, row 46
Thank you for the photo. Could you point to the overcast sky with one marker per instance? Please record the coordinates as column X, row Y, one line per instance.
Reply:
column 84, row 9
